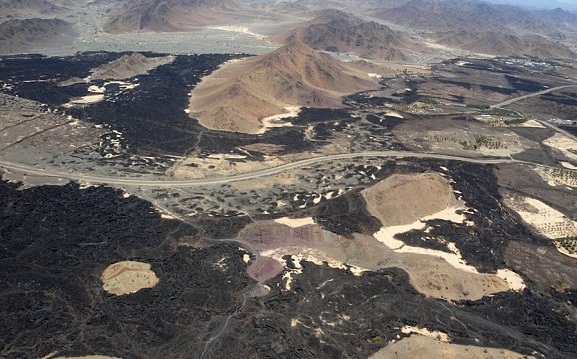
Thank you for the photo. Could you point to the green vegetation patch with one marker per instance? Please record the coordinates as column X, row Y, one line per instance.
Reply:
column 478, row 106
column 499, row 112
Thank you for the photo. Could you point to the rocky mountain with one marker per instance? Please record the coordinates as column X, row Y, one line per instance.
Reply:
column 337, row 31
column 128, row 66
column 237, row 97
column 30, row 34
column 168, row 15
column 497, row 43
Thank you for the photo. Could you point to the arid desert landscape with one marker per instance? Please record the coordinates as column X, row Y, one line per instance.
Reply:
column 288, row 179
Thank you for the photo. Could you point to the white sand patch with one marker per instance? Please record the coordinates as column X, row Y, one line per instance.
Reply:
column 290, row 272
column 546, row 220
column 295, row 222
column 84, row 100
column 563, row 143
column 443, row 337
column 386, row 236
column 276, row 120
column 394, row 114
column 513, row 279
column 288, row 280
column 96, row 89
column 128, row 277
column 311, row 255
column 569, row 165
column 123, row 85
column 238, row 29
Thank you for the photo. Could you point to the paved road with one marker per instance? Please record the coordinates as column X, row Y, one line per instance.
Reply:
column 30, row 170
column 524, row 97
column 555, row 128
column 544, row 123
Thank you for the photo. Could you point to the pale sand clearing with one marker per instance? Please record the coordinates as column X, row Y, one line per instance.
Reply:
column 128, row 277
column 295, row 222
column 238, row 29
column 85, row 100
column 426, row 193
column 402, row 199
column 276, row 120
column 429, row 273
column 513, row 280
column 531, row 124
column 313, row 255
column 440, row 336
column 386, row 236
column 563, row 144
column 96, row 89
column 394, row 114
column 419, row 346
column 546, row 220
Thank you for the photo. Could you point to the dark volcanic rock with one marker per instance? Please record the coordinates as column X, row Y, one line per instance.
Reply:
column 346, row 215
column 331, row 313
column 150, row 117
column 54, row 244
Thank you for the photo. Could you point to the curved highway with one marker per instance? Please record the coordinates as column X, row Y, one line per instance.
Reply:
column 30, row 170
column 524, row 97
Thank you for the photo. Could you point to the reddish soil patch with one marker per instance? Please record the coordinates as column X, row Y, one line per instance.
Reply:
column 264, row 268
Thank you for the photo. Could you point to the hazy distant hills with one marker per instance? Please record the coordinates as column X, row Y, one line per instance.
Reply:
column 486, row 28
column 498, row 43
column 168, row 15
column 29, row 34
column 236, row 97
column 470, row 15
column 472, row 25
column 337, row 31
column 558, row 17
column 28, row 8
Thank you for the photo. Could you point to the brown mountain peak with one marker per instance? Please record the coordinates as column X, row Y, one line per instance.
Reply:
column 262, row 86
